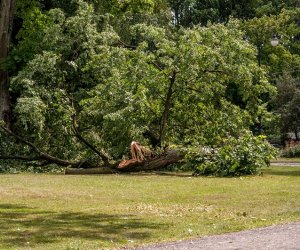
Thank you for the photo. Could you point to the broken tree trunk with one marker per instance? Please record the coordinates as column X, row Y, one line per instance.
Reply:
column 158, row 162
column 142, row 160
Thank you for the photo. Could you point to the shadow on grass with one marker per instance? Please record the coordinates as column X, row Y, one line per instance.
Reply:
column 288, row 171
column 21, row 225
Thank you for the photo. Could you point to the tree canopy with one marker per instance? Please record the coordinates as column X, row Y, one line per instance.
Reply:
column 89, row 77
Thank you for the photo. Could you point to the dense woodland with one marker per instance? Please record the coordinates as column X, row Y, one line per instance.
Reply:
column 195, row 82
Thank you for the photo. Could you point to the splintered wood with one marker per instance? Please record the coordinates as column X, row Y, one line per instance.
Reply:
column 138, row 154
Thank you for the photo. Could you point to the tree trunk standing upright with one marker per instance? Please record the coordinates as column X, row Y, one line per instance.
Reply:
column 7, row 8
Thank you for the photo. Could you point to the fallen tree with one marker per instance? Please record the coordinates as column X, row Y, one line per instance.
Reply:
column 159, row 162
column 142, row 158
column 244, row 155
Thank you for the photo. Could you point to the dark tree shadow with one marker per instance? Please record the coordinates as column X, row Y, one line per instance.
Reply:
column 21, row 224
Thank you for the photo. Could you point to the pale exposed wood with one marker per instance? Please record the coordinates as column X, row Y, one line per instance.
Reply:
column 158, row 162
column 142, row 159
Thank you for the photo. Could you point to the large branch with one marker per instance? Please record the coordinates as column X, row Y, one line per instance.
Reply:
column 7, row 9
column 88, row 144
column 32, row 161
column 40, row 154
column 18, row 157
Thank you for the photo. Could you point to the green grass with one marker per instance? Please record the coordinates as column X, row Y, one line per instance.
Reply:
column 98, row 212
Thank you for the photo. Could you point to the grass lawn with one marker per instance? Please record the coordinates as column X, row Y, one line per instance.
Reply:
column 40, row 211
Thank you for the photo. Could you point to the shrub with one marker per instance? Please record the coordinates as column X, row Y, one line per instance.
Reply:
column 237, row 156
column 291, row 152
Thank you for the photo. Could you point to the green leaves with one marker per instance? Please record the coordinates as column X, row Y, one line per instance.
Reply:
column 31, row 114
column 159, row 86
column 285, row 56
column 244, row 155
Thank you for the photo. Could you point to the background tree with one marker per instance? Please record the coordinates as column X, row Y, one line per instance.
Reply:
column 287, row 103
column 145, row 91
column 194, row 12
column 7, row 8
column 280, row 60
column 91, row 77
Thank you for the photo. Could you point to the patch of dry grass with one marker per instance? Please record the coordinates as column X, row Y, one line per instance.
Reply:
column 98, row 212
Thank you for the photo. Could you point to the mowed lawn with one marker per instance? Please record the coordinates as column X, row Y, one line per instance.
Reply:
column 44, row 211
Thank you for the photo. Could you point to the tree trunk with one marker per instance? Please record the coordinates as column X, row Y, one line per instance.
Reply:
column 296, row 135
column 142, row 160
column 156, row 163
column 6, row 21
column 167, row 107
column 81, row 171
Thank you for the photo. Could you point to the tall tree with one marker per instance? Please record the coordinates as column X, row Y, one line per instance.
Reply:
column 84, row 90
column 286, row 103
column 6, row 21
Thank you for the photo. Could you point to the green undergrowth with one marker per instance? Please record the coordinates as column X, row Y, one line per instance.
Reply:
column 291, row 152
column 51, row 211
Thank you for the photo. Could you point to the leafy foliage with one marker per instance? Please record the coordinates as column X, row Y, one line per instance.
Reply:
column 291, row 152
column 287, row 102
column 244, row 155
column 285, row 56
column 122, row 73
column 193, row 12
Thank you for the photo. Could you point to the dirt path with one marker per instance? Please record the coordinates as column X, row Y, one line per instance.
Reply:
column 281, row 237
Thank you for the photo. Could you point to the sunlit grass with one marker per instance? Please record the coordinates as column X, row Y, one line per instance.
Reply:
column 98, row 212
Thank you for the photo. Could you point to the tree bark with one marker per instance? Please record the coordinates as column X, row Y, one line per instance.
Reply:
column 7, row 8
column 158, row 162
column 133, row 165
column 296, row 135
column 142, row 159
column 167, row 107
column 80, row 171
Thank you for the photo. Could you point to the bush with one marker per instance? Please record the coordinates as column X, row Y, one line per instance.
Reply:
column 237, row 156
column 291, row 152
